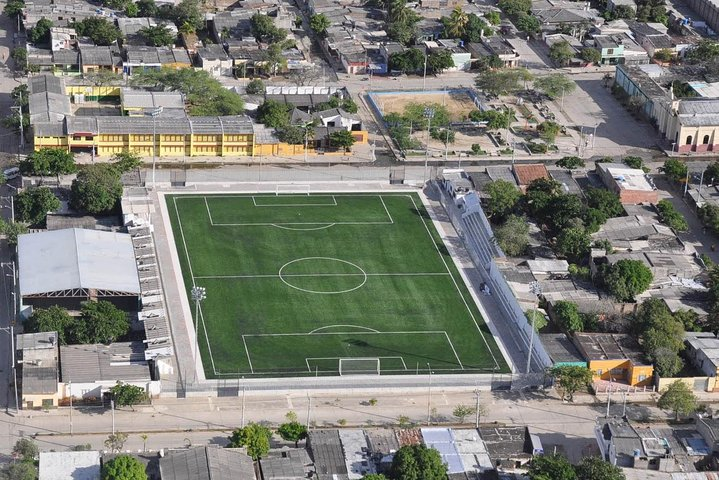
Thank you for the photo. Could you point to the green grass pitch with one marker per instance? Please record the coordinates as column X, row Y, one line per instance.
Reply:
column 297, row 282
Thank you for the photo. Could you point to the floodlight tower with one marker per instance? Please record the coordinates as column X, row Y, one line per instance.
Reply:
column 198, row 294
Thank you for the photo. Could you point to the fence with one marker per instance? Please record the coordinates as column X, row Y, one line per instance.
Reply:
column 476, row 232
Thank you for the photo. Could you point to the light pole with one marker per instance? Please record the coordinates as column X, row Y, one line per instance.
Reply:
column 198, row 294
column 476, row 410
column 112, row 408
column 428, row 114
column 154, row 114
column 536, row 290
column 429, row 396
column 594, row 135
column 18, row 110
column 424, row 75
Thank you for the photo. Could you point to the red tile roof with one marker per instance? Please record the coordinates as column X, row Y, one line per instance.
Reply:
column 526, row 173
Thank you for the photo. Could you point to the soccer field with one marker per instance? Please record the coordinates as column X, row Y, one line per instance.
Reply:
column 326, row 284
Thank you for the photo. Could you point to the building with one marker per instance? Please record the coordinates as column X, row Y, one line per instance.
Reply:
column 144, row 57
column 131, row 27
column 494, row 46
column 88, row 371
column 703, row 352
column 207, row 463
column 561, row 350
column 708, row 427
column 214, row 59
column 140, row 102
column 47, row 102
column 630, row 184
column 614, row 357
column 286, row 464
column 357, row 455
column 462, row 58
column 527, row 173
column 611, row 47
column 708, row 10
column 68, row 267
column 69, row 465
column 37, row 370
column 442, row 440
column 507, row 447
column 326, row 451
column 95, row 59
column 472, row 451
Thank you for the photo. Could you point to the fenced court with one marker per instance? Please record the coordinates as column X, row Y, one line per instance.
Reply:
column 329, row 284
column 459, row 102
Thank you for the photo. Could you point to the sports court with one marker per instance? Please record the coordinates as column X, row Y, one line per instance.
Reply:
column 301, row 284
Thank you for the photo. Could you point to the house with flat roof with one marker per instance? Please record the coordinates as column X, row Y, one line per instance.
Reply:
column 703, row 352
column 88, row 371
column 213, row 58
column 561, row 350
column 38, row 369
column 356, row 451
column 325, row 448
column 94, row 58
column 507, row 447
column 631, row 184
column 210, row 462
column 614, row 357
column 69, row 465
column 286, row 464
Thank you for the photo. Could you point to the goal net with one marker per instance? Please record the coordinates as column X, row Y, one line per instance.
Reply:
column 292, row 189
column 359, row 366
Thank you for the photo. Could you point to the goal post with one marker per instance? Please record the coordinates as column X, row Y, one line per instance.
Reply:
column 292, row 189
column 359, row 366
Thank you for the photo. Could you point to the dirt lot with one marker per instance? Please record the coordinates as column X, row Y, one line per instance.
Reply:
column 458, row 103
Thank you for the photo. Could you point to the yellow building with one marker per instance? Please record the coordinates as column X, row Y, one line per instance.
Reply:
column 614, row 357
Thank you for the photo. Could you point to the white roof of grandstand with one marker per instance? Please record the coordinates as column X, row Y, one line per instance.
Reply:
column 76, row 258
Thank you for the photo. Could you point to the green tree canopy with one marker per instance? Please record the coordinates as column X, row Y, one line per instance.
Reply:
column 409, row 61
column 678, row 398
column 99, row 29
column 40, row 33
column 126, row 161
column 548, row 130
column 51, row 319
column 675, row 170
column 33, row 204
column 704, row 51
column 264, row 29
column 273, row 114
column 48, row 161
column 13, row 8
column 125, row 394
column 591, row 55
column 158, row 35
column 671, row 217
column 186, row 12
column 100, row 322
column 97, row 189
column 504, row 81
column 20, row 471
column 627, row 278
column 439, row 61
column 292, row 432
column 571, row 379
column 551, row 467
column 319, row 23
column 255, row 437
column 570, row 163
column 515, row 7
column 567, row 316
column 561, row 53
column 555, row 85
column 573, row 243
column 255, row 87
column 513, row 235
column 604, row 200
column 146, row 8
column 342, row 139
column 417, row 462
column 493, row 17
column 123, row 467
column 26, row 449
column 527, row 23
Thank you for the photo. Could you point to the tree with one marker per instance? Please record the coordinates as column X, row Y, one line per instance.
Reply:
column 158, row 35
column 255, row 87
column 255, row 437
column 13, row 8
column 21, row 471
column 292, row 431
column 126, row 161
column 496, row 119
column 671, row 217
column 679, row 398
column 704, row 51
column 528, row 23
column 663, row 55
column 319, row 23
column 100, row 30
column 187, row 11
column 417, row 462
column 97, row 189
column 561, row 53
column 573, row 243
column 408, row 61
column 596, row 468
column 19, row 56
column 48, row 161
column 548, row 130
column 187, row 29
column 591, row 55
column 264, row 29
column 273, row 114
column 476, row 28
column 125, row 394
column 605, row 201
column 515, row 7
column 101, row 78
column 26, row 450
column 570, row 379
column 570, row 163
column 461, row 412
column 12, row 230
column 567, row 316
column 633, row 162
column 551, row 467
column 439, row 61
column 624, row 11
column 675, row 170
column 502, row 82
column 342, row 139
column 455, row 25
column 374, row 476
column 627, row 279
column 513, row 235
column 115, row 441
column 131, row 10
column 33, row 204
column 493, row 17
column 100, row 322
column 40, row 33
column 123, row 467
column 555, row 85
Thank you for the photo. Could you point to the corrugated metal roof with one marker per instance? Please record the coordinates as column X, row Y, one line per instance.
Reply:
column 121, row 361
column 207, row 463
column 76, row 258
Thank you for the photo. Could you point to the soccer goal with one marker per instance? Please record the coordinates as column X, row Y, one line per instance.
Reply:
column 292, row 189
column 359, row 366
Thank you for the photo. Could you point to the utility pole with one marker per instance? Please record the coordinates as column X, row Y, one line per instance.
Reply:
column 112, row 407
column 536, row 290
column 609, row 397
column 69, row 386
column 429, row 114
column 243, row 403
column 18, row 110
column 309, row 409
column 686, row 183
column 476, row 410
column 429, row 397
column 424, row 75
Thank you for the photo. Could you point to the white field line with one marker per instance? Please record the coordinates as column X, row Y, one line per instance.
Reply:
column 451, row 345
column 184, row 243
column 459, row 291
column 270, row 204
column 208, row 211
column 247, row 351
column 264, row 373
column 425, row 332
column 207, row 339
column 368, row 329
column 275, row 275
column 295, row 223
column 385, row 209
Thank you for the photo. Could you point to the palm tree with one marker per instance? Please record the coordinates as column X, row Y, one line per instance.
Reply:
column 144, row 437
column 457, row 24
column 187, row 28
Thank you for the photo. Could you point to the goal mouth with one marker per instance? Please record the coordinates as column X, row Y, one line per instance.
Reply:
column 292, row 189
column 359, row 366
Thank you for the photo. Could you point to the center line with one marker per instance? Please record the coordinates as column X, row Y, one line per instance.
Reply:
column 438, row 274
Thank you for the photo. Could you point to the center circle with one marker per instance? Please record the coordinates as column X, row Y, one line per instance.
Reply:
column 340, row 276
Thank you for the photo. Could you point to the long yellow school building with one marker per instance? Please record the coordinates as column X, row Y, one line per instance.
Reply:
column 150, row 124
